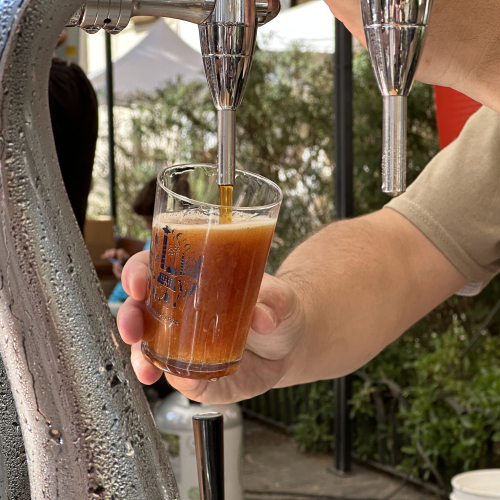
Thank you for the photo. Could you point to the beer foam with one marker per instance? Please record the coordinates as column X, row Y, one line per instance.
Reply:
column 187, row 220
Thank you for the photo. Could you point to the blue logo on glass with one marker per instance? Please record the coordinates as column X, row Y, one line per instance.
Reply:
column 179, row 271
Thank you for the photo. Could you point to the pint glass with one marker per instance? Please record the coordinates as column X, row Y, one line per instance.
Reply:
column 205, row 269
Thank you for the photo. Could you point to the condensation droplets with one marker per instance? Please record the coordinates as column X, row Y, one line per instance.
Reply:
column 56, row 436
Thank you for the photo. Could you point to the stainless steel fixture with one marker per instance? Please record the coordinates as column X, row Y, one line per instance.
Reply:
column 395, row 31
column 228, row 30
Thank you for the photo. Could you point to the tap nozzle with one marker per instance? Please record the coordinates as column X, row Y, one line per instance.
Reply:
column 395, row 32
column 226, row 147
column 228, row 38
column 394, row 144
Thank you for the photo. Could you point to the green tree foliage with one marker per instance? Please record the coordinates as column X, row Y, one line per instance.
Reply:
column 284, row 132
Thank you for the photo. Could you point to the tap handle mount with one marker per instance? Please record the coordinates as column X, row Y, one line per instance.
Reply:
column 228, row 33
column 114, row 15
column 209, row 443
column 395, row 31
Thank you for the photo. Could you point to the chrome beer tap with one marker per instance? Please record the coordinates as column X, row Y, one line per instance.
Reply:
column 228, row 32
column 395, row 31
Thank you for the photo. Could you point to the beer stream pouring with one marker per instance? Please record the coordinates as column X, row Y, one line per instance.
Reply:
column 395, row 31
column 228, row 32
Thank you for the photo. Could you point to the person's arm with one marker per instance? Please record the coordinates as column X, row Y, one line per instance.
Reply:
column 462, row 46
column 362, row 283
column 118, row 257
column 339, row 299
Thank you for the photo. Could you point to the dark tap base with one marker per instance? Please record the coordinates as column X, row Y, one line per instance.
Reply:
column 191, row 370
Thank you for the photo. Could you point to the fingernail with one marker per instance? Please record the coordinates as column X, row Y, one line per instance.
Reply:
column 270, row 313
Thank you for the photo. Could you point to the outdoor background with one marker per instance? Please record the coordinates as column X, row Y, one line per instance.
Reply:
column 430, row 403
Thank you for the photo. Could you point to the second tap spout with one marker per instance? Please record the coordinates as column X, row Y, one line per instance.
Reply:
column 395, row 32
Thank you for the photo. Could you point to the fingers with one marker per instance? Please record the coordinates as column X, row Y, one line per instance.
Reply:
column 262, row 364
column 130, row 318
column 255, row 376
column 130, row 321
column 193, row 389
column 110, row 253
column 146, row 372
column 135, row 275
column 264, row 319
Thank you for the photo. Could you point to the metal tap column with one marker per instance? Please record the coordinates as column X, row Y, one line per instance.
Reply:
column 395, row 32
column 87, row 427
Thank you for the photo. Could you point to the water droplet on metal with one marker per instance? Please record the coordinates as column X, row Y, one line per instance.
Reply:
column 56, row 436
column 130, row 449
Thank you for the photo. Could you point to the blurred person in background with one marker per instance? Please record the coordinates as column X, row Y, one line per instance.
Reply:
column 74, row 117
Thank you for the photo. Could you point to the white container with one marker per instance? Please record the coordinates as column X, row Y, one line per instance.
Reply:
column 477, row 485
column 173, row 417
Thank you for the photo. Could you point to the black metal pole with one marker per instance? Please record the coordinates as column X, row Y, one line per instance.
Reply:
column 111, row 127
column 344, row 205
column 344, row 208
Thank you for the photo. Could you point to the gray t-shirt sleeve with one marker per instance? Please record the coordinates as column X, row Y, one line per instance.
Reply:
column 455, row 201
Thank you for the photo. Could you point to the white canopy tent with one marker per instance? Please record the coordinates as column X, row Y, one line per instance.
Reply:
column 311, row 25
column 164, row 55
column 159, row 57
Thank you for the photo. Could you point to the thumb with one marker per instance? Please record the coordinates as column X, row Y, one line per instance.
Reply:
column 276, row 303
column 278, row 320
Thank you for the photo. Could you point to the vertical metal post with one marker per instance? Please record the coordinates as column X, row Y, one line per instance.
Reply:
column 343, row 209
column 344, row 206
column 111, row 127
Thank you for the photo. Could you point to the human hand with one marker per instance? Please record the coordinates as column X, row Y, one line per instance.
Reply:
column 461, row 49
column 277, row 327
column 120, row 256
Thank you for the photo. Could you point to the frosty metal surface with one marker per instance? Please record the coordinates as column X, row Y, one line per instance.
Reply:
column 14, row 481
column 86, row 425
column 394, row 31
